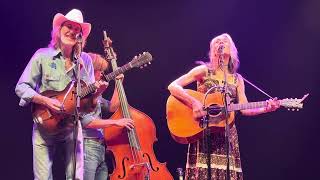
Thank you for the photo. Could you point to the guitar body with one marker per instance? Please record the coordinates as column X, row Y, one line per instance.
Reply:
column 51, row 121
column 186, row 129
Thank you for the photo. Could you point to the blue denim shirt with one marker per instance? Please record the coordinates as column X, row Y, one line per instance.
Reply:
column 103, row 105
column 46, row 71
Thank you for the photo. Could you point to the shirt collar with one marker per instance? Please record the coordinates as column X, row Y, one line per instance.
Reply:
column 56, row 53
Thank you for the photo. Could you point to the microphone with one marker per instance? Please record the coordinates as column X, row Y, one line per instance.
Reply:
column 79, row 37
column 77, row 48
column 220, row 48
column 220, row 53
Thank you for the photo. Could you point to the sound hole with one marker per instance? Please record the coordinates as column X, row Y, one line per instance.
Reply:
column 214, row 110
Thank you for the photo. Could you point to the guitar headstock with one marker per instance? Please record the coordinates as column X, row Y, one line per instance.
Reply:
column 293, row 104
column 141, row 60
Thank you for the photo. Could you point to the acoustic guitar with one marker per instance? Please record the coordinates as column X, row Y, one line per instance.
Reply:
column 51, row 121
column 185, row 129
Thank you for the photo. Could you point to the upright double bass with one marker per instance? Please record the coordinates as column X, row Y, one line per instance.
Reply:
column 132, row 149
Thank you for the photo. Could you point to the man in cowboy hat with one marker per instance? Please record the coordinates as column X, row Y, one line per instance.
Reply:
column 52, row 68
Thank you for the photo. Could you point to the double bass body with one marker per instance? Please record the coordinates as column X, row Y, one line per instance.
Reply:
column 132, row 163
column 134, row 158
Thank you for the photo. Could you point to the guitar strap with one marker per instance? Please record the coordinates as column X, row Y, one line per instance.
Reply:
column 256, row 87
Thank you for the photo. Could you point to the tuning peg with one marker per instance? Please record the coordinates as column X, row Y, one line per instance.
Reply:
column 141, row 67
column 298, row 109
column 145, row 65
column 149, row 63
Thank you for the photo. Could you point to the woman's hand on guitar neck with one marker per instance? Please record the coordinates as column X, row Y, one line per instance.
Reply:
column 272, row 105
column 197, row 109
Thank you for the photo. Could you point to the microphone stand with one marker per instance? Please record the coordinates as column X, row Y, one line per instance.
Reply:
column 205, row 120
column 225, row 110
column 207, row 141
column 206, row 133
column 76, row 54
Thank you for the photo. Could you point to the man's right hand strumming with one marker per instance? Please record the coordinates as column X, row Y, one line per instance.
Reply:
column 52, row 104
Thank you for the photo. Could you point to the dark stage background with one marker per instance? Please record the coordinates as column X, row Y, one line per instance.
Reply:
column 278, row 43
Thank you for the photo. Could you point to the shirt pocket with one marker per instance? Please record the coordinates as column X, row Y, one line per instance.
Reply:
column 52, row 81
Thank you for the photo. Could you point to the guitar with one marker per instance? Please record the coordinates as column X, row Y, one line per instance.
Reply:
column 51, row 121
column 185, row 129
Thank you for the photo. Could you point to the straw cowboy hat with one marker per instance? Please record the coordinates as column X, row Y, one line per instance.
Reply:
column 74, row 15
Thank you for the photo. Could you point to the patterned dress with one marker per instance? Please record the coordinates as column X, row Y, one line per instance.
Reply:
column 197, row 157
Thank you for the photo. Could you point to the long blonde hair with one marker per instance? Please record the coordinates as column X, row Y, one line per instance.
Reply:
column 234, row 62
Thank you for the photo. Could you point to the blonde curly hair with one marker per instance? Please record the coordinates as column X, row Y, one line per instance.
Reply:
column 99, row 63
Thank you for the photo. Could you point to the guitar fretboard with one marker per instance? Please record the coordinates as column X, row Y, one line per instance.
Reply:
column 87, row 90
column 251, row 105
column 91, row 87
column 118, row 71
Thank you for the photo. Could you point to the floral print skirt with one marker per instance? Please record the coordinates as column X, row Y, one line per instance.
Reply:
column 198, row 158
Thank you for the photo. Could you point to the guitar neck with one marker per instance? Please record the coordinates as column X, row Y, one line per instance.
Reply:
column 87, row 90
column 251, row 105
column 117, row 72
column 91, row 87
